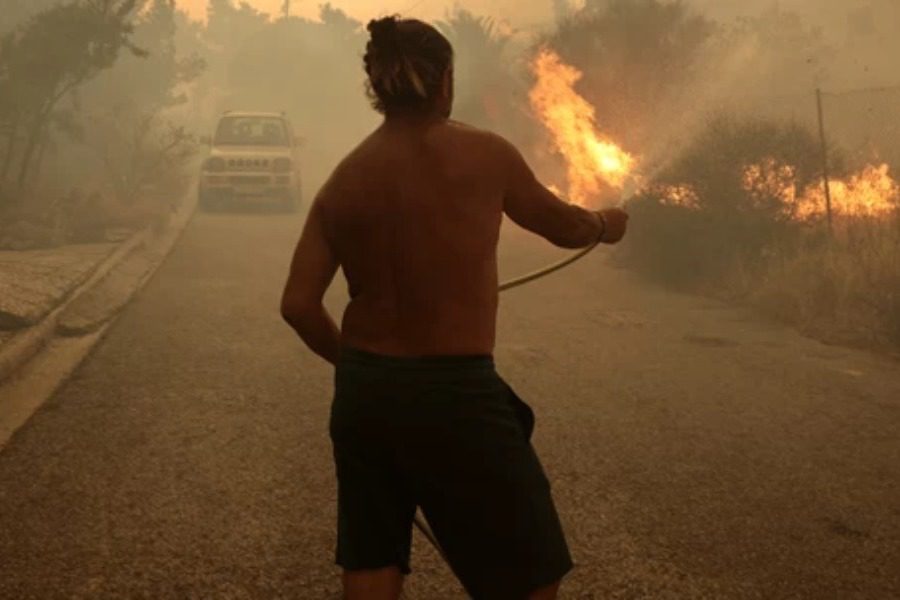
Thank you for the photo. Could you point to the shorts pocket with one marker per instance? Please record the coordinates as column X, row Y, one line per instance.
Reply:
column 523, row 411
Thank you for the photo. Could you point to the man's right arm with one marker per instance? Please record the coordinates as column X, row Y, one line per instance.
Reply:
column 532, row 206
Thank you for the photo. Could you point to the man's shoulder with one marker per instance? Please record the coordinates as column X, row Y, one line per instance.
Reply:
column 487, row 141
column 356, row 160
column 475, row 133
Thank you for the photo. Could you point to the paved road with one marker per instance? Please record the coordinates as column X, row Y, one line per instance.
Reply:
column 695, row 450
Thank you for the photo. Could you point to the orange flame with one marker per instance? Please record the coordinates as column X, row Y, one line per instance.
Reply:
column 871, row 192
column 593, row 161
column 772, row 180
column 682, row 196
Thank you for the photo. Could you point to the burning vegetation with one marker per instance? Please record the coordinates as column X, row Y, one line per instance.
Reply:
column 740, row 211
column 869, row 193
column 596, row 166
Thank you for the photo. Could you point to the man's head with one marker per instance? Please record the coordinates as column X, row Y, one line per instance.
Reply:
column 410, row 68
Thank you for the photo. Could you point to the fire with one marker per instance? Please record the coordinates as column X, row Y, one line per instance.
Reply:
column 871, row 192
column 771, row 180
column 594, row 162
column 596, row 165
column 682, row 196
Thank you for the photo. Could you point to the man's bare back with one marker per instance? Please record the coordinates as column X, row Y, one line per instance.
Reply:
column 413, row 216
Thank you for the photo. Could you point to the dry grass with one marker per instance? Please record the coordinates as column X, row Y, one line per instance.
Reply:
column 846, row 290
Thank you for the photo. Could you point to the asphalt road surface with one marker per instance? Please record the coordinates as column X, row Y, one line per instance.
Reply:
column 696, row 451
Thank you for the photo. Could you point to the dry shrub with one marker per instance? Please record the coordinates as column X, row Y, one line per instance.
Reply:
column 77, row 217
column 846, row 291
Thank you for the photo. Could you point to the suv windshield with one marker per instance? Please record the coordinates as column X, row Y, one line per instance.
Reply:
column 251, row 131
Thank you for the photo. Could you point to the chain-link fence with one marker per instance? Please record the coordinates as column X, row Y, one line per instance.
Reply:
column 865, row 123
column 862, row 124
column 858, row 128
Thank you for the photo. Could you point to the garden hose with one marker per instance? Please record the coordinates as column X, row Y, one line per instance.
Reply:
column 420, row 523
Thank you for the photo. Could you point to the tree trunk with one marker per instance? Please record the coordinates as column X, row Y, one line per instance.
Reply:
column 34, row 134
column 10, row 149
column 39, row 161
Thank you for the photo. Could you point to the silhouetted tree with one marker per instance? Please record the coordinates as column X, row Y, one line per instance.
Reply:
column 128, row 109
column 51, row 56
column 489, row 88
column 634, row 55
column 153, row 81
column 16, row 12
column 228, row 24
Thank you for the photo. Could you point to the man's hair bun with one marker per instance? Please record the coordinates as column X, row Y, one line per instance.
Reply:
column 406, row 61
column 385, row 33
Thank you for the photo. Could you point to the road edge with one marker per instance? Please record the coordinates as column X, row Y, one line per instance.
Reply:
column 25, row 345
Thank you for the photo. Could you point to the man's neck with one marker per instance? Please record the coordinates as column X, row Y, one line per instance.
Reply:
column 417, row 119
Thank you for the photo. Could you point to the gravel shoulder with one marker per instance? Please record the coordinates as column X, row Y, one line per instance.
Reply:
column 34, row 282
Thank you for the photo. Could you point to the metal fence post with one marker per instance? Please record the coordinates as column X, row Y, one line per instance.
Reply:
column 825, row 174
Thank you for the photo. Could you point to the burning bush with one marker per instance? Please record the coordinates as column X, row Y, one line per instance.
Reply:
column 721, row 202
column 742, row 212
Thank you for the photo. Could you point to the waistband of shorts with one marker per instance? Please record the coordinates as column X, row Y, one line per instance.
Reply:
column 466, row 362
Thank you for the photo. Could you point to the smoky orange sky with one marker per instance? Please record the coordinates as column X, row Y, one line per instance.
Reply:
column 517, row 11
column 525, row 14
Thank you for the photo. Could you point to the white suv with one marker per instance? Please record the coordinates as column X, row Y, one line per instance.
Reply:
column 253, row 157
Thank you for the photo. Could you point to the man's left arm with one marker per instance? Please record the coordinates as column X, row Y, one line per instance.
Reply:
column 312, row 271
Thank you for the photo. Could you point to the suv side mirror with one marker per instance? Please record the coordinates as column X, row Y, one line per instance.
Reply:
column 299, row 141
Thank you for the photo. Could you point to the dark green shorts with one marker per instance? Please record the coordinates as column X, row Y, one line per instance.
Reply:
column 445, row 434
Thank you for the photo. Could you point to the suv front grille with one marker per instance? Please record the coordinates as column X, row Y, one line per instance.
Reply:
column 248, row 163
column 249, row 179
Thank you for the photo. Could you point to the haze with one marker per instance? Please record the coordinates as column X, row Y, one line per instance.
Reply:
column 531, row 12
column 716, row 398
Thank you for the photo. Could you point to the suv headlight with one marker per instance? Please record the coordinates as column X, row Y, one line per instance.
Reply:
column 214, row 164
column 282, row 165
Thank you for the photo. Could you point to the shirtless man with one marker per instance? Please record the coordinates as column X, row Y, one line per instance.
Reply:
column 420, row 417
